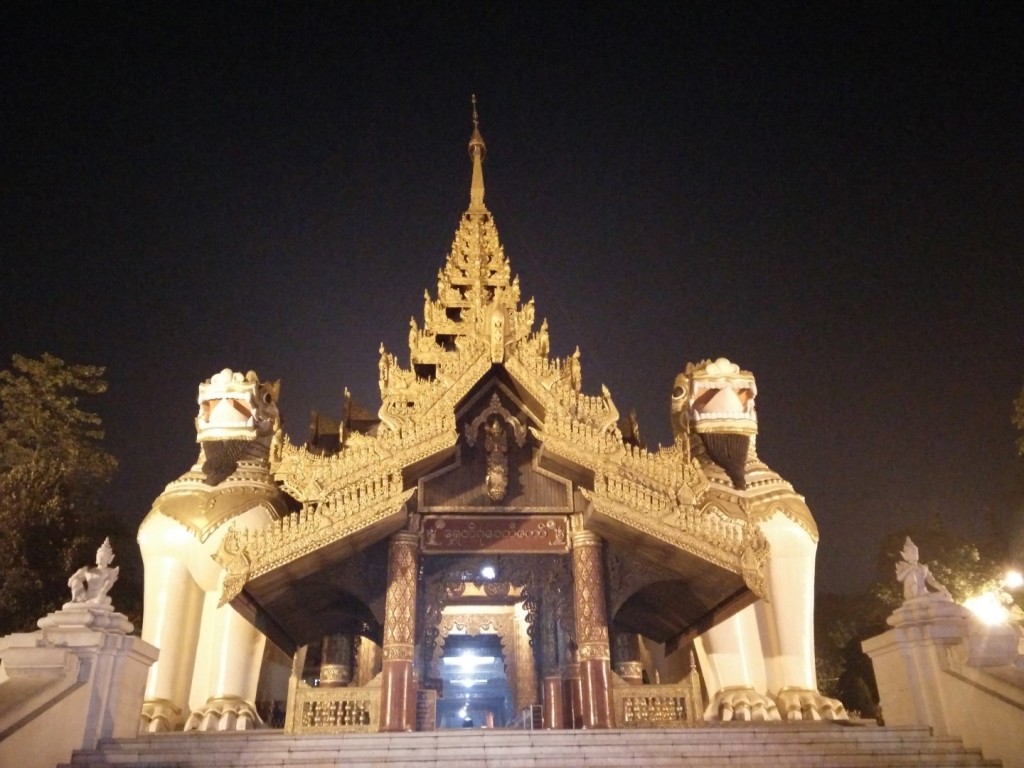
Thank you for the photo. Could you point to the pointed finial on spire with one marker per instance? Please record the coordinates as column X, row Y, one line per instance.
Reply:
column 477, row 150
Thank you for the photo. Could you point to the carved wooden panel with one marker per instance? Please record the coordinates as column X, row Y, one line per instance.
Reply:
column 462, row 486
column 547, row 534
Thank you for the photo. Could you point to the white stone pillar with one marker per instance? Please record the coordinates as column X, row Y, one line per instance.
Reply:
column 910, row 660
column 78, row 680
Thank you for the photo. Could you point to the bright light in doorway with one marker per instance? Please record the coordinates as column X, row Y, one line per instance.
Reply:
column 468, row 660
column 468, row 682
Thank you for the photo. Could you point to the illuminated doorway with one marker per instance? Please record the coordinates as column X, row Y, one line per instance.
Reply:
column 476, row 690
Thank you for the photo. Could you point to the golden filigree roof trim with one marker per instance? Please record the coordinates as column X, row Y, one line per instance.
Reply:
column 567, row 437
column 708, row 533
column 639, row 496
column 316, row 526
column 310, row 476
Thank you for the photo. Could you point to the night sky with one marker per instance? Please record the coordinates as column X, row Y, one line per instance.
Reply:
column 829, row 196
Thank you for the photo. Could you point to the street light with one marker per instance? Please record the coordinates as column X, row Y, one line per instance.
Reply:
column 1013, row 579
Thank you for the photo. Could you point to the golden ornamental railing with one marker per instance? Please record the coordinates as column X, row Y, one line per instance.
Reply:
column 333, row 710
column 658, row 706
column 324, row 709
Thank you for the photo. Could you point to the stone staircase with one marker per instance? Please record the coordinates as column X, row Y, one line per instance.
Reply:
column 777, row 745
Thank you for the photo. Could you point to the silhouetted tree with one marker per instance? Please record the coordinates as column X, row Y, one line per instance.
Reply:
column 1017, row 417
column 52, row 470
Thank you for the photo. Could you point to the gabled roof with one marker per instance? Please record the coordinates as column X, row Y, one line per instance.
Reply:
column 474, row 325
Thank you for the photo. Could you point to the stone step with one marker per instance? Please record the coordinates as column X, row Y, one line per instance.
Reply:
column 770, row 745
column 749, row 733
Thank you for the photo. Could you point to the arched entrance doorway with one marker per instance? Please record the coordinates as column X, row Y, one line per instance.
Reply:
column 483, row 658
column 472, row 671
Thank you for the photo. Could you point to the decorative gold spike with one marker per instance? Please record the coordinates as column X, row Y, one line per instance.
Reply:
column 477, row 150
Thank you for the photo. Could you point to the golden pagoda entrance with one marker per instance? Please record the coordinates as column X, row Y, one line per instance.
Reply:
column 489, row 509
column 480, row 577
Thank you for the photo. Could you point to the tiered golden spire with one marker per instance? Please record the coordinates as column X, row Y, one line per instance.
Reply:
column 477, row 150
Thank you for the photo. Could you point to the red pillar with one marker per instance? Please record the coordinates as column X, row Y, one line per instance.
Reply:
column 592, row 631
column 398, row 688
column 553, row 713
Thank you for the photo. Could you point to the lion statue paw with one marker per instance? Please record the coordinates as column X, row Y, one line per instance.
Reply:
column 803, row 704
column 159, row 716
column 744, row 704
column 225, row 714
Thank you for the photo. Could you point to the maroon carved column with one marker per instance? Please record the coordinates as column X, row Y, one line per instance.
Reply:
column 552, row 714
column 572, row 697
column 626, row 657
column 592, row 631
column 554, row 708
column 336, row 655
column 398, row 689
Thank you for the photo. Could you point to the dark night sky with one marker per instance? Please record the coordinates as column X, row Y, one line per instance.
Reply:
column 830, row 197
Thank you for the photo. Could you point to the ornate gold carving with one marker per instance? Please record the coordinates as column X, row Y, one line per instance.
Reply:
column 588, row 581
column 595, row 650
column 497, row 589
column 235, row 562
column 709, row 533
column 657, row 706
column 318, row 525
column 541, row 492
column 753, row 560
column 495, row 408
column 454, row 590
column 630, row 670
column 398, row 652
column 400, row 604
column 545, row 587
column 335, row 674
column 466, row 622
column 335, row 710
column 363, row 463
column 494, row 419
column 505, row 534
column 496, row 445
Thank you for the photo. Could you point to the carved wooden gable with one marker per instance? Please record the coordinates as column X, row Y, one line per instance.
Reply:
column 494, row 467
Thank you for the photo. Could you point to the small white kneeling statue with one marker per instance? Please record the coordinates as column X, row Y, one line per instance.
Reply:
column 916, row 577
column 90, row 584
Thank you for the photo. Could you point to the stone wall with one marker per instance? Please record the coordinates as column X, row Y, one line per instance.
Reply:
column 940, row 666
column 79, row 679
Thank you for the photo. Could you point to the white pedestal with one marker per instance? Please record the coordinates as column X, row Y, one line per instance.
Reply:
column 80, row 679
column 940, row 667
